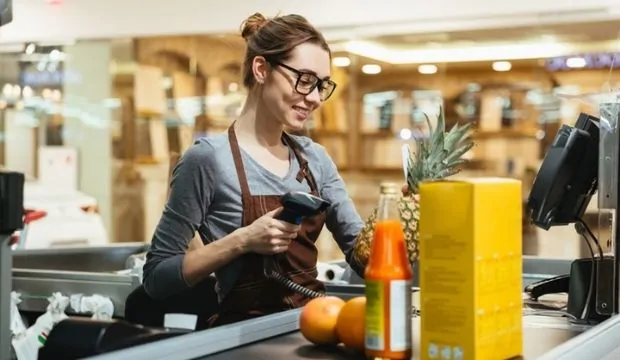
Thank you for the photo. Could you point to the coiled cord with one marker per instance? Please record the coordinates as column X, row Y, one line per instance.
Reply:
column 272, row 274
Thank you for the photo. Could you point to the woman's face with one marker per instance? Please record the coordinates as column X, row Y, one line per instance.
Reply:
column 284, row 82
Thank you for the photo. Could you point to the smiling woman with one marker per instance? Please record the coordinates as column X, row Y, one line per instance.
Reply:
column 228, row 187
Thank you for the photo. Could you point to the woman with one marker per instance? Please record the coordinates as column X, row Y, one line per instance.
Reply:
column 228, row 186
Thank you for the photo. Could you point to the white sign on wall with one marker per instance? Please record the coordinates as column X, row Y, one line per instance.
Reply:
column 58, row 167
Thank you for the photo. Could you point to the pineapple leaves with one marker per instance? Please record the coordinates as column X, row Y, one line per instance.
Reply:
column 440, row 154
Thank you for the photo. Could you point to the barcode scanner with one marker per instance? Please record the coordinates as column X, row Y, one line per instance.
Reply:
column 296, row 205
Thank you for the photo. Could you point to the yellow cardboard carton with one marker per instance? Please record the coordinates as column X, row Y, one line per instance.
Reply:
column 471, row 269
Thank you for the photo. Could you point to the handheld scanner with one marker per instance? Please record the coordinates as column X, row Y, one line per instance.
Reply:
column 297, row 205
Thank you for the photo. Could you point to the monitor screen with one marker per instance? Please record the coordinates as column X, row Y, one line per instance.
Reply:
column 6, row 12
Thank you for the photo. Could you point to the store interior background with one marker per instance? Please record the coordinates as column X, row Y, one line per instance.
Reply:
column 106, row 117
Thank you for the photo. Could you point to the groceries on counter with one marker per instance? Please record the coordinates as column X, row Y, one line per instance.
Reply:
column 330, row 321
column 471, row 268
column 388, row 278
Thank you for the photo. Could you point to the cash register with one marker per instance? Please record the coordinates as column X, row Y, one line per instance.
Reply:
column 581, row 161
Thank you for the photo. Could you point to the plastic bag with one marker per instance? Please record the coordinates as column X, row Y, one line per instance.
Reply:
column 101, row 307
column 27, row 345
column 17, row 323
column 134, row 265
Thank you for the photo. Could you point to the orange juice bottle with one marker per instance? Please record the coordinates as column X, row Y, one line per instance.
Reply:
column 388, row 279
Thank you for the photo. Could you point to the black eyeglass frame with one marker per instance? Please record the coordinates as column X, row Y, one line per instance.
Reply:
column 318, row 83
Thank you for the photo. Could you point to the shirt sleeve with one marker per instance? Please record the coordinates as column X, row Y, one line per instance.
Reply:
column 343, row 220
column 187, row 204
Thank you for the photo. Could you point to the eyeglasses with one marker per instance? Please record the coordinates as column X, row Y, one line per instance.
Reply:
column 307, row 82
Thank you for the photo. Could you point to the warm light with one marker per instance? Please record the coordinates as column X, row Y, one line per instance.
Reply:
column 341, row 61
column 7, row 90
column 576, row 62
column 46, row 93
column 427, row 69
column 27, row 92
column 458, row 53
column 56, row 95
column 233, row 86
column 502, row 66
column 405, row 134
column 371, row 69
column 16, row 91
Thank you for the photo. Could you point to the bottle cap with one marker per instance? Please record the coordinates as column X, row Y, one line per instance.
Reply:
column 389, row 188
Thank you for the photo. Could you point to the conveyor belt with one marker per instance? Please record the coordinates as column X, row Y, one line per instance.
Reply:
column 537, row 340
column 290, row 347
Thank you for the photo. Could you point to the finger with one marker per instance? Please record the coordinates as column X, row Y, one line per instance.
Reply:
column 274, row 212
column 279, row 249
column 280, row 241
column 285, row 226
column 281, row 234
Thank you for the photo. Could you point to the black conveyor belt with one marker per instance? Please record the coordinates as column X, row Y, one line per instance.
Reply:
column 537, row 341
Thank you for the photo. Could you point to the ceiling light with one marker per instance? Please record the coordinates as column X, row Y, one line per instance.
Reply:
column 482, row 52
column 371, row 69
column 427, row 69
column 576, row 62
column 502, row 66
column 341, row 61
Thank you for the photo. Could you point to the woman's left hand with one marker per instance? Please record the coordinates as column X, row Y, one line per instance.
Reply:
column 405, row 190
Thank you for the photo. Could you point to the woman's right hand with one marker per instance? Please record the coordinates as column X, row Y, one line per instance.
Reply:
column 267, row 235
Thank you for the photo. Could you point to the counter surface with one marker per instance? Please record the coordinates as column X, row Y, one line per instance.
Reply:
column 540, row 335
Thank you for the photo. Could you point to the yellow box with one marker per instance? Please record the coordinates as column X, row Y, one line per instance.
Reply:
column 471, row 269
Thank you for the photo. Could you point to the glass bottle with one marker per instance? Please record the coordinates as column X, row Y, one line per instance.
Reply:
column 388, row 279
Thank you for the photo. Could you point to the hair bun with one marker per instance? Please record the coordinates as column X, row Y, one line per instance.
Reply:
column 252, row 25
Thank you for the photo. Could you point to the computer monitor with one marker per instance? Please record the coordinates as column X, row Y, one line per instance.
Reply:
column 568, row 176
column 6, row 12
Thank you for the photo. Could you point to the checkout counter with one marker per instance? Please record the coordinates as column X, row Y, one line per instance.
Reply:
column 546, row 335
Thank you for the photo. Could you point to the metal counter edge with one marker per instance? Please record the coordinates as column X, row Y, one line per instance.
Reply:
column 595, row 343
column 211, row 341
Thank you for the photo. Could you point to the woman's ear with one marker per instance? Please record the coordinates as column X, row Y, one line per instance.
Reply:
column 260, row 69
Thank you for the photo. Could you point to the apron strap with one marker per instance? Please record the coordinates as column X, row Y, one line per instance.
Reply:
column 304, row 169
column 236, row 153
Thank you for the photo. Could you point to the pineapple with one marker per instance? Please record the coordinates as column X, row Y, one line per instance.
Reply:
column 434, row 158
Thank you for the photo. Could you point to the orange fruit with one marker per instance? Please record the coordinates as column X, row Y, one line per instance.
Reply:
column 351, row 324
column 318, row 318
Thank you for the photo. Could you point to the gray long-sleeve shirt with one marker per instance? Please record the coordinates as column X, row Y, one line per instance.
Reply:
column 205, row 196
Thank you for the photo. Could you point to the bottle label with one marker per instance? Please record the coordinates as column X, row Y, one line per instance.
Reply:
column 400, row 315
column 375, row 305
column 388, row 315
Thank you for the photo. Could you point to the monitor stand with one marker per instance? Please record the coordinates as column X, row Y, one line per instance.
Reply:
column 6, row 269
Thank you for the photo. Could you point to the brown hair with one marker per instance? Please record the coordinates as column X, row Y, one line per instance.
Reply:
column 274, row 39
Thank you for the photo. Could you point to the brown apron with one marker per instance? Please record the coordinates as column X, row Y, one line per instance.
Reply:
column 254, row 294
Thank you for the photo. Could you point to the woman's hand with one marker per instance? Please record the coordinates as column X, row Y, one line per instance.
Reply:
column 405, row 190
column 267, row 235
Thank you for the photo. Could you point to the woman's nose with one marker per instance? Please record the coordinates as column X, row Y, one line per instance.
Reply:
column 314, row 97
